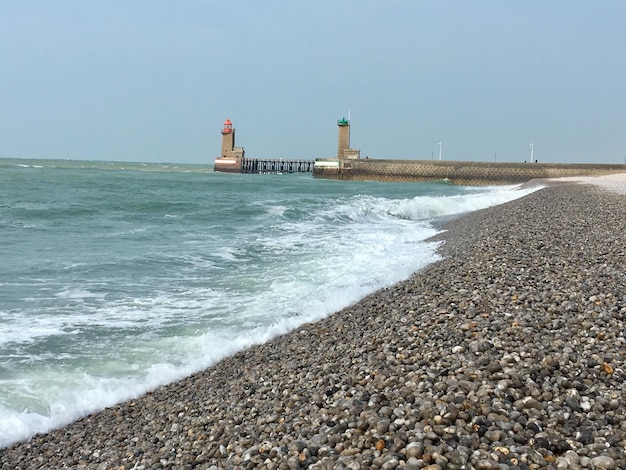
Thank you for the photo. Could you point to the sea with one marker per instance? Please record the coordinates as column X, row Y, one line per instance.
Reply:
column 116, row 278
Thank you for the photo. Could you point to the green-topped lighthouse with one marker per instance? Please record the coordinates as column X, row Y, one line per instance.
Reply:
column 343, row 146
column 344, row 137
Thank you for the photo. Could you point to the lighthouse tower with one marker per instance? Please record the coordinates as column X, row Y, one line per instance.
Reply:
column 344, row 137
column 228, row 139
column 343, row 146
column 231, row 157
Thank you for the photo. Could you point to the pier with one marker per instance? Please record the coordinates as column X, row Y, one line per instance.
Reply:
column 466, row 173
column 259, row 165
column 348, row 165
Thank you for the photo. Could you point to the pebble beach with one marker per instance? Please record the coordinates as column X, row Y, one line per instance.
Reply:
column 508, row 353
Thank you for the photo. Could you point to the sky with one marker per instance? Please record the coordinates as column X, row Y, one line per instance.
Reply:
column 154, row 80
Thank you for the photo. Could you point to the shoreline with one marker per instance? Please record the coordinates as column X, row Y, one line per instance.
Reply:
column 507, row 353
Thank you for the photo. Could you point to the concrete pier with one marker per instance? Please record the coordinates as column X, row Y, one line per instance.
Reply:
column 458, row 172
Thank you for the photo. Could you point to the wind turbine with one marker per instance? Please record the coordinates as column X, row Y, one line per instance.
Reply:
column 532, row 152
column 439, row 143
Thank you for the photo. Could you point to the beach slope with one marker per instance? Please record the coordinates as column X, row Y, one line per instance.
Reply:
column 507, row 354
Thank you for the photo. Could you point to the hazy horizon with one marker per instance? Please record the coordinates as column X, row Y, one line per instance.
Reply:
column 154, row 81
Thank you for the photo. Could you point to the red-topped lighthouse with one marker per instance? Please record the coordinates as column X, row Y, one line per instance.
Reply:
column 228, row 139
column 231, row 157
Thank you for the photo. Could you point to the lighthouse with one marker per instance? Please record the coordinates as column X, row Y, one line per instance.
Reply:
column 231, row 157
column 344, row 137
column 343, row 146
column 228, row 142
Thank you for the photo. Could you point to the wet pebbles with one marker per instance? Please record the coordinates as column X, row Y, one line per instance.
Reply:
column 507, row 354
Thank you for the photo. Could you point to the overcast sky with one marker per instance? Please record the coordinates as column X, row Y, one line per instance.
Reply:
column 154, row 80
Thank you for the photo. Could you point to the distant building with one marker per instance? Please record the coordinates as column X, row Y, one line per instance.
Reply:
column 231, row 157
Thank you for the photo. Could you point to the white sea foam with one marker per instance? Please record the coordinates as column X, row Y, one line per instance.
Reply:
column 426, row 207
column 24, row 329
column 78, row 294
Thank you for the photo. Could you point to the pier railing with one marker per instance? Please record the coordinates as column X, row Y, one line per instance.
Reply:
column 276, row 165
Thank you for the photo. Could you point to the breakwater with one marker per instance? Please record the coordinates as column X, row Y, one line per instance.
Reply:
column 458, row 172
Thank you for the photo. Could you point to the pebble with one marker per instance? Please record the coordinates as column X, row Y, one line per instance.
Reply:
column 508, row 353
column 603, row 462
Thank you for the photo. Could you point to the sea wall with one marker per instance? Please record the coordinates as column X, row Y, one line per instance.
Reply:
column 458, row 172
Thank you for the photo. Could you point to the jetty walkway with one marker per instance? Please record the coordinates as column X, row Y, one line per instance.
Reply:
column 257, row 165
